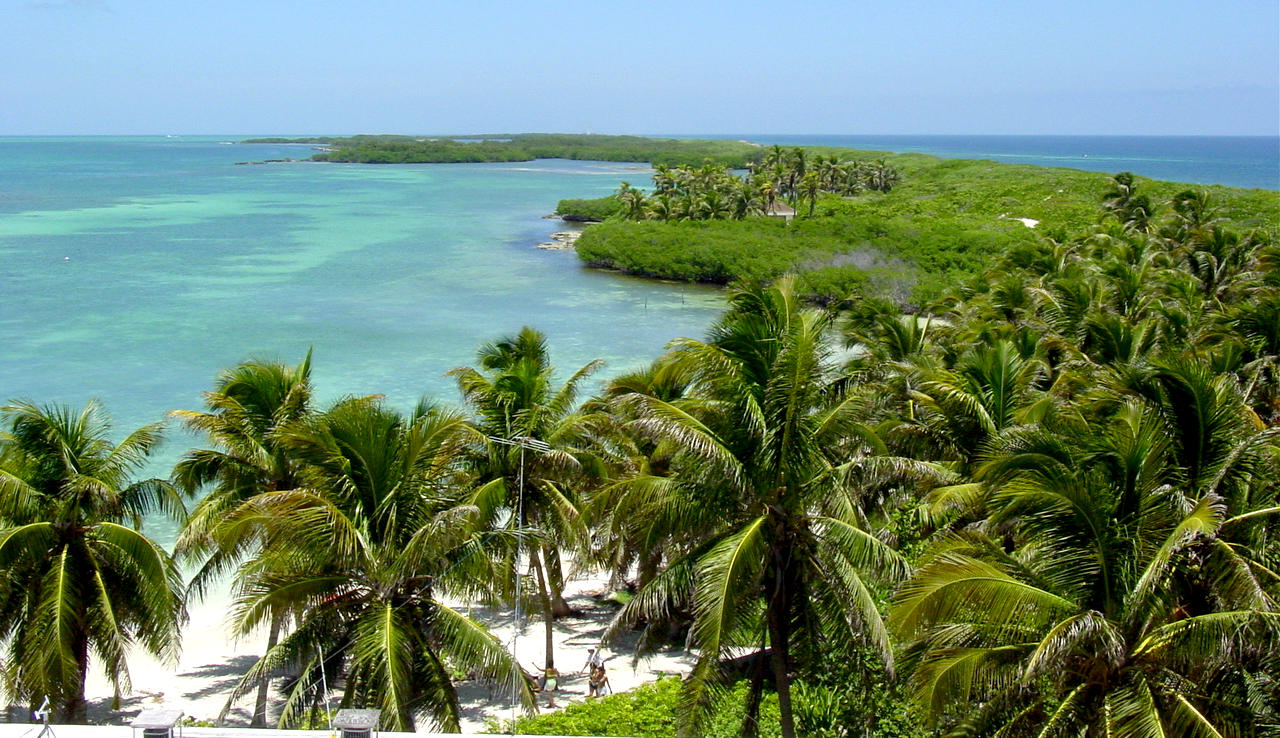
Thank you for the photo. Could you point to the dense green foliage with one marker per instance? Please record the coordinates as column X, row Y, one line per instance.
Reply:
column 649, row 711
column 79, row 582
column 529, row 146
column 944, row 222
column 588, row 210
column 711, row 192
column 892, row 255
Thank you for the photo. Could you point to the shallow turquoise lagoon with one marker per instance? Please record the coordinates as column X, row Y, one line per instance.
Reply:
column 135, row 269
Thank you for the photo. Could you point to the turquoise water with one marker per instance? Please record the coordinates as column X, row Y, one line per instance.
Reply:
column 134, row 269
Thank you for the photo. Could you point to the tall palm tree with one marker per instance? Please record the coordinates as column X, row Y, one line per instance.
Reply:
column 359, row 557
column 779, row 474
column 513, row 396
column 81, row 582
column 247, row 410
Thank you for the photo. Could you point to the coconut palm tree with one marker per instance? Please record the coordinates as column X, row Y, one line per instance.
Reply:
column 779, row 476
column 359, row 556
column 513, row 396
column 633, row 202
column 247, row 410
column 1104, row 596
column 80, row 582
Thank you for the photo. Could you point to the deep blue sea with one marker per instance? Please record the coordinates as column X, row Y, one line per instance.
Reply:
column 1236, row 161
column 134, row 269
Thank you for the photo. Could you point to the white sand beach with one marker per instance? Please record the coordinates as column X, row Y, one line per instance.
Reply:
column 212, row 662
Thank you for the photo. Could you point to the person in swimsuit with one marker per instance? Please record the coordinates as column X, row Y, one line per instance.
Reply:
column 548, row 683
column 597, row 678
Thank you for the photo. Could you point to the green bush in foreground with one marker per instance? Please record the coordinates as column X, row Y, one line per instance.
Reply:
column 648, row 711
column 645, row 712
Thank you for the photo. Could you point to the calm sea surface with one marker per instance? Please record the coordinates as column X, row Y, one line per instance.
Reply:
column 1237, row 161
column 133, row 269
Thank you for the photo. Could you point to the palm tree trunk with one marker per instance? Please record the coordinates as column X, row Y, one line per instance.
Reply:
column 555, row 578
column 779, row 617
column 264, row 687
column 545, row 598
column 751, row 718
column 650, row 561
column 75, row 709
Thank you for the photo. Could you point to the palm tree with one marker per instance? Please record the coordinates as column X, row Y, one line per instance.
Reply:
column 1104, row 596
column 359, row 556
column 513, row 396
column 629, row 516
column 81, row 582
column 811, row 187
column 633, row 202
column 1133, row 210
column 247, row 410
column 779, row 476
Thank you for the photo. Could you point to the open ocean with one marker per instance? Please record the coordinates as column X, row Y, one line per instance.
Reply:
column 133, row 269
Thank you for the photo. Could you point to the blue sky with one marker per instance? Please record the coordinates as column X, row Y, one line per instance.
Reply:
column 852, row 67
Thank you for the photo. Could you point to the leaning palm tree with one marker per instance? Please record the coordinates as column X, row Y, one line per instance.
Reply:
column 360, row 556
column 779, row 476
column 246, row 412
column 80, row 581
column 512, row 397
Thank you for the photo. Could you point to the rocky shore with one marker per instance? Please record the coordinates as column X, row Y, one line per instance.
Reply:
column 561, row 241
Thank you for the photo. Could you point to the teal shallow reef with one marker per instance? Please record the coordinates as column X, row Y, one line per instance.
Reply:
column 135, row 269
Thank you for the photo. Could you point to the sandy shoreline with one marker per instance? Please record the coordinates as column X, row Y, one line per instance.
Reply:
column 212, row 662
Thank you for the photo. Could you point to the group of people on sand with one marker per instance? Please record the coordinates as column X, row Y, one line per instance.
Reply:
column 597, row 678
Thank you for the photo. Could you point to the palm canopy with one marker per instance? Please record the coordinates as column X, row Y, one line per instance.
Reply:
column 1104, row 597
column 80, row 581
column 359, row 554
column 514, row 396
column 248, row 407
column 776, row 472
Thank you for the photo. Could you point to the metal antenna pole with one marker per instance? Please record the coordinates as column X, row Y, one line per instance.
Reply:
column 524, row 442
column 515, row 624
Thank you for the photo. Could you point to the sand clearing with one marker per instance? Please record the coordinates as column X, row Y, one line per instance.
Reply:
column 212, row 663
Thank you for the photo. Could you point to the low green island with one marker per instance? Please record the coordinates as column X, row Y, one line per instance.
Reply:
column 390, row 149
column 940, row 222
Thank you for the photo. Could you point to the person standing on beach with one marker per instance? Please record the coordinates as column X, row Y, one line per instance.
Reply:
column 597, row 679
column 548, row 683
column 594, row 660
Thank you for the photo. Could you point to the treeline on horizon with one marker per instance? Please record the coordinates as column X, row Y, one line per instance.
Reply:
column 391, row 149
column 1043, row 503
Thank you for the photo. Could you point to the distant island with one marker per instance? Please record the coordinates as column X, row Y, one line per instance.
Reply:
column 524, row 147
